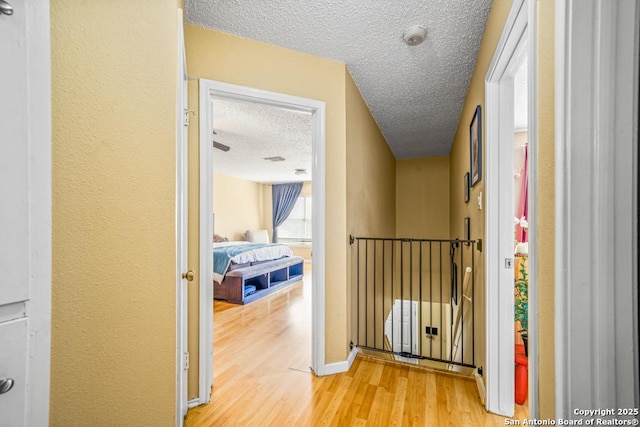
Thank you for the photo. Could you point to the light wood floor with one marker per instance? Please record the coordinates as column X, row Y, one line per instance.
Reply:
column 262, row 377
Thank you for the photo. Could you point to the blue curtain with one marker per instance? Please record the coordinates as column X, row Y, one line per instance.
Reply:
column 284, row 198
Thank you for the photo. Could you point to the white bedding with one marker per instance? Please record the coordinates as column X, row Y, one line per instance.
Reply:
column 265, row 253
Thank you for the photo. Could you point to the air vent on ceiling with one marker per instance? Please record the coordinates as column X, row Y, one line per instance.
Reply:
column 275, row 159
column 220, row 146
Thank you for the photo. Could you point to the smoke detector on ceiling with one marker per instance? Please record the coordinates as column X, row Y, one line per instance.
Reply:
column 414, row 35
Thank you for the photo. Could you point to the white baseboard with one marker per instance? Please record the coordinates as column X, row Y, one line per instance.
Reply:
column 193, row 403
column 352, row 356
column 480, row 384
column 338, row 367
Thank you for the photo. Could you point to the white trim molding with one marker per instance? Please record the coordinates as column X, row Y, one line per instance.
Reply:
column 517, row 44
column 482, row 391
column 338, row 367
column 596, row 341
column 38, row 307
column 205, row 246
column 209, row 91
column 532, row 202
column 181, row 230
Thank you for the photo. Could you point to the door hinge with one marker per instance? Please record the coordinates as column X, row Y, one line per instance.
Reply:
column 186, row 117
column 508, row 263
column 186, row 361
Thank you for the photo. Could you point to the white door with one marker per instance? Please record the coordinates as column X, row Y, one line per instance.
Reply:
column 401, row 329
column 25, row 212
column 183, row 276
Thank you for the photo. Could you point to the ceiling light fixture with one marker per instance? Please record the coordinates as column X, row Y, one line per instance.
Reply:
column 414, row 35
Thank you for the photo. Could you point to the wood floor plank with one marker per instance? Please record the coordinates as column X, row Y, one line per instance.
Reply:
column 398, row 405
column 262, row 354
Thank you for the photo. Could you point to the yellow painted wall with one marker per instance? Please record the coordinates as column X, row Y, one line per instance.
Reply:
column 306, row 188
column 546, row 206
column 267, row 209
column 114, row 141
column 371, row 183
column 422, row 212
column 223, row 57
column 371, row 175
column 238, row 205
column 422, row 198
column 459, row 165
column 303, row 251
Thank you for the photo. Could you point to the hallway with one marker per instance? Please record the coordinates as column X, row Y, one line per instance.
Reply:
column 262, row 378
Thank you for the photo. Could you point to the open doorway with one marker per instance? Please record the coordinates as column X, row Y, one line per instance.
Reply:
column 262, row 198
column 522, row 216
column 214, row 95
column 512, row 76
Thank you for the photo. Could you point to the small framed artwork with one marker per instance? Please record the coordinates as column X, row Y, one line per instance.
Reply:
column 466, row 188
column 475, row 147
column 467, row 229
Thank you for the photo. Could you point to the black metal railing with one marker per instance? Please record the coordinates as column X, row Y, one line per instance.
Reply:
column 414, row 298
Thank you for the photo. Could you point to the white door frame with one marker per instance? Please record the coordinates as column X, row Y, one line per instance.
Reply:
column 210, row 90
column 518, row 41
column 182, row 358
column 596, row 283
column 36, row 310
column 39, row 305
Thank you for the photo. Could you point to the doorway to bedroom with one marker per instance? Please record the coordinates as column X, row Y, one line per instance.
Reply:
column 262, row 199
column 262, row 176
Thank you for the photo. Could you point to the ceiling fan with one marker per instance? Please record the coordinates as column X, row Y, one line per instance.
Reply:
column 219, row 145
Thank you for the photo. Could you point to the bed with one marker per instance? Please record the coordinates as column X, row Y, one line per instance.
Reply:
column 245, row 271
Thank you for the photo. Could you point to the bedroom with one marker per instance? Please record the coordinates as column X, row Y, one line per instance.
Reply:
column 261, row 153
column 261, row 163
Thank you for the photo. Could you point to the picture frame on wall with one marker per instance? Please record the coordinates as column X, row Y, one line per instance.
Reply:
column 475, row 147
column 467, row 189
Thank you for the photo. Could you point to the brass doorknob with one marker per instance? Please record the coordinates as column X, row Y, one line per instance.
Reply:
column 189, row 275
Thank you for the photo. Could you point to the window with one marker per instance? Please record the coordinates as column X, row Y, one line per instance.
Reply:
column 297, row 227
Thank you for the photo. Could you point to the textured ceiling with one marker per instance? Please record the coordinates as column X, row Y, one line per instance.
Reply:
column 255, row 131
column 415, row 93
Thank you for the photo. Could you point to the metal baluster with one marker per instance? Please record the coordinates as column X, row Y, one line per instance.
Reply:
column 366, row 292
column 473, row 304
column 461, row 293
column 359, row 294
column 411, row 297
column 420, row 306
column 375, row 270
column 384, row 285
